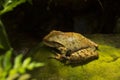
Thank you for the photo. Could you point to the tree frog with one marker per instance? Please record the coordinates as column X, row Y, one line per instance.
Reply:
column 69, row 45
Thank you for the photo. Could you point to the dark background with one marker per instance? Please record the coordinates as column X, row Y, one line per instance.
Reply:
column 83, row 16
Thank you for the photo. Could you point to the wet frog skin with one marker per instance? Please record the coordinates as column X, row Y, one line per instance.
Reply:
column 72, row 46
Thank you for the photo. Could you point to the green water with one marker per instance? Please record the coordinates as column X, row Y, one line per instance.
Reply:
column 107, row 67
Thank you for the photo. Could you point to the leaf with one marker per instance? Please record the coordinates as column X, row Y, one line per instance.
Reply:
column 18, row 61
column 9, row 5
column 39, row 64
column 1, row 46
column 21, row 70
column 7, row 60
column 33, row 65
column 1, row 61
column 24, row 65
column 12, row 72
column 24, row 77
column 12, row 77
column 4, row 42
column 26, row 62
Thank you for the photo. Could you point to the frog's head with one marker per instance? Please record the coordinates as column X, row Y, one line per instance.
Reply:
column 53, row 39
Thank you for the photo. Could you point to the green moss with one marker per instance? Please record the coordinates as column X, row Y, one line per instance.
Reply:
column 107, row 67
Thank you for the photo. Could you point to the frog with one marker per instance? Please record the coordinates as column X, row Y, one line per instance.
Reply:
column 69, row 44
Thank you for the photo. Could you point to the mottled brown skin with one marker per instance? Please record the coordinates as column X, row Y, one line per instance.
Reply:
column 73, row 46
column 81, row 56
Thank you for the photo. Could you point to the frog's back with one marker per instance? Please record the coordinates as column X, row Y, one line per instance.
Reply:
column 70, row 40
column 75, row 41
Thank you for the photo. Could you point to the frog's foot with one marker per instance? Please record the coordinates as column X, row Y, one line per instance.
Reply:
column 58, row 56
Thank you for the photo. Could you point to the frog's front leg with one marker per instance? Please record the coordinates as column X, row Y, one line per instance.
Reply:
column 63, row 50
column 60, row 57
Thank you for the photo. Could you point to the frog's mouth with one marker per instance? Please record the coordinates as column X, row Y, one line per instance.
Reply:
column 52, row 44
